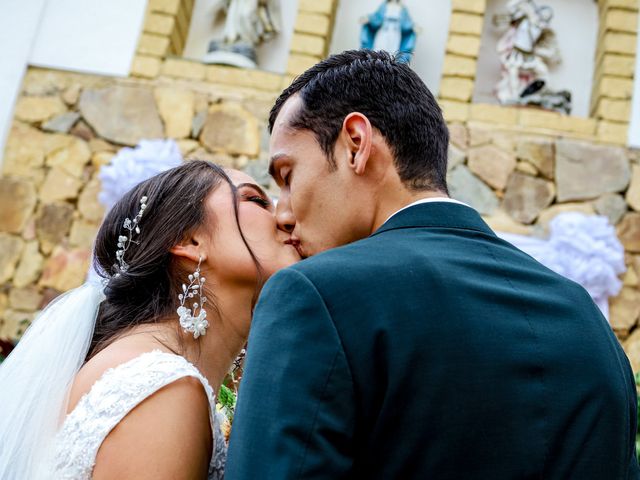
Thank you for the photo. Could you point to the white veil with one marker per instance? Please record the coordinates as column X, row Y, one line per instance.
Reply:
column 36, row 377
column 35, row 380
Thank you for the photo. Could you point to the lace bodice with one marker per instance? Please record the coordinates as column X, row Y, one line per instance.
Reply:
column 114, row 395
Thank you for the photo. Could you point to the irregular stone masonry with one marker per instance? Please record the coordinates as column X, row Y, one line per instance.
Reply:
column 519, row 167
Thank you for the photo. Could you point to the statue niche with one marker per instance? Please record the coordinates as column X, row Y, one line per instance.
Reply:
column 248, row 24
column 527, row 49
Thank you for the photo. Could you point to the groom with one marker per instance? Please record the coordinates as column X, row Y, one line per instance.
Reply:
column 423, row 346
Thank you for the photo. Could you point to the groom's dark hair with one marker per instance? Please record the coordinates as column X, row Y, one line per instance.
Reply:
column 394, row 99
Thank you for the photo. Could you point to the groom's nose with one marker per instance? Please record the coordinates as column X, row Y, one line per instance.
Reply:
column 284, row 215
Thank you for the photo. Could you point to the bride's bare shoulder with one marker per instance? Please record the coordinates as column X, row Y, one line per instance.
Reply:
column 119, row 352
column 168, row 435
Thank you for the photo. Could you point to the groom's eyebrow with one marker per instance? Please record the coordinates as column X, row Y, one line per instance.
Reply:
column 274, row 159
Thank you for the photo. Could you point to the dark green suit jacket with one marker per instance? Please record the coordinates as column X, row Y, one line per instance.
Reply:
column 431, row 350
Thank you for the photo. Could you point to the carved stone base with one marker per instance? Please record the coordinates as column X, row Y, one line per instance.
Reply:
column 242, row 55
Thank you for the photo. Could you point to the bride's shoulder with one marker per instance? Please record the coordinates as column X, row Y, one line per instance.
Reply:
column 168, row 412
column 113, row 356
column 168, row 430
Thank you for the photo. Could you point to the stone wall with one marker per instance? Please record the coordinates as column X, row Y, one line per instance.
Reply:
column 520, row 182
column 68, row 125
column 518, row 166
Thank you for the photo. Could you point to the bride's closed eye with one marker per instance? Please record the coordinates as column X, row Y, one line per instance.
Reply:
column 259, row 200
column 253, row 193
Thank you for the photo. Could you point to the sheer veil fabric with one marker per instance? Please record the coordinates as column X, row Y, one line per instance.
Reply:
column 36, row 378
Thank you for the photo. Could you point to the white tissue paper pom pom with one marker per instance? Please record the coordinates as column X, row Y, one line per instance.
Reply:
column 131, row 166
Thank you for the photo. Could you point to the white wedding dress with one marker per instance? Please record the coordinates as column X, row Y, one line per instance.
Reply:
column 111, row 398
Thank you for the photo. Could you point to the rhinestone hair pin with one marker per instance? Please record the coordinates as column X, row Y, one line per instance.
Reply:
column 125, row 241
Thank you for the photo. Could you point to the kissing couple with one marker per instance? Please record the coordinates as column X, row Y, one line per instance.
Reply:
column 409, row 343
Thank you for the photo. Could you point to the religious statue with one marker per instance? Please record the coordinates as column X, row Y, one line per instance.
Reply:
column 390, row 28
column 248, row 23
column 526, row 51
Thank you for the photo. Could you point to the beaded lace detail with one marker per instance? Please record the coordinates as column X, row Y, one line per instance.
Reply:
column 111, row 398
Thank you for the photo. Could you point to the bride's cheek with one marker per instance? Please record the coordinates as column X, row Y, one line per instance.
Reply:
column 257, row 230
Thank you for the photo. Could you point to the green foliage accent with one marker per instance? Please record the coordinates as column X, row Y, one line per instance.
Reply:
column 227, row 398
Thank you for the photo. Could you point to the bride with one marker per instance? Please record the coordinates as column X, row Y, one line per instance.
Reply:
column 115, row 380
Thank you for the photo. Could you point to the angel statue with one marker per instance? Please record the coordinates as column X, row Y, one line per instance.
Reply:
column 248, row 23
column 526, row 51
column 390, row 28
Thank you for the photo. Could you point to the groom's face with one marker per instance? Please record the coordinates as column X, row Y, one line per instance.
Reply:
column 322, row 208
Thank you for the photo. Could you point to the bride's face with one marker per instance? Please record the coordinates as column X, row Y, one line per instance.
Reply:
column 226, row 254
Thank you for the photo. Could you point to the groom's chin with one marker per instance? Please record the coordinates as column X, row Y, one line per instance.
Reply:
column 303, row 253
column 307, row 250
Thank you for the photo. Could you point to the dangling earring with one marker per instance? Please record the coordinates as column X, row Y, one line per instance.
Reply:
column 189, row 321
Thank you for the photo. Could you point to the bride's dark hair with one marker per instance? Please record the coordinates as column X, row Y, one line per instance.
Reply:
column 148, row 291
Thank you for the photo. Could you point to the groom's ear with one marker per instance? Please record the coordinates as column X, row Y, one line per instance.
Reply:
column 358, row 134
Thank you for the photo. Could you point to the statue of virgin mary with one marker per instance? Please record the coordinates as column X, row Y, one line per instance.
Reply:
column 390, row 28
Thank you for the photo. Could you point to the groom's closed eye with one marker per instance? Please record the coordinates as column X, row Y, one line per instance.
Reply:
column 284, row 174
column 279, row 169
